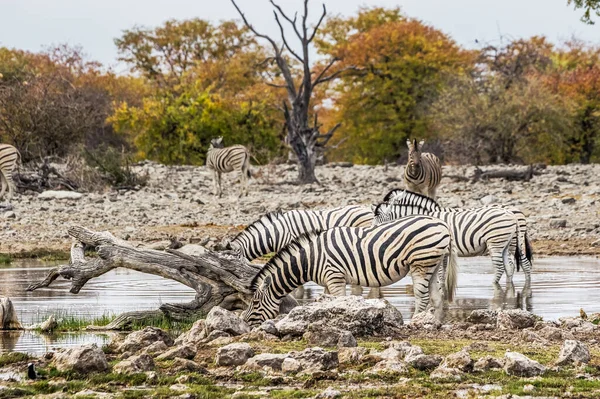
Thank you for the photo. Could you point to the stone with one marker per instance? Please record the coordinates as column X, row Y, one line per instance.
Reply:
column 82, row 359
column 216, row 335
column 554, row 333
column 446, row 373
column 422, row 361
column 180, row 364
column 391, row 354
column 528, row 388
column 234, row 354
column 157, row 347
column 569, row 200
column 558, row 223
column 488, row 363
column 316, row 359
column 522, row 366
column 425, row 321
column 135, row 364
column 530, row 336
column 139, row 340
column 183, row 351
column 268, row 326
column 515, row 319
column 60, row 195
column 346, row 340
column 362, row 317
column 49, row 325
column 459, row 360
column 88, row 393
column 224, row 320
column 268, row 360
column 573, row 352
column 483, row 316
column 489, row 200
column 10, row 215
column 329, row 393
column 194, row 336
column 351, row 355
column 389, row 366
column 290, row 365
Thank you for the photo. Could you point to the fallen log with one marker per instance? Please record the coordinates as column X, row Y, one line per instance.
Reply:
column 219, row 278
column 511, row 174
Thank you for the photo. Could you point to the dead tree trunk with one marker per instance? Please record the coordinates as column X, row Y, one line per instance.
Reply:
column 219, row 279
column 305, row 140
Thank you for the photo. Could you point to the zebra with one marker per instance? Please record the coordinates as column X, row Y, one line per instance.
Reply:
column 223, row 160
column 474, row 230
column 275, row 230
column 368, row 256
column 423, row 171
column 9, row 156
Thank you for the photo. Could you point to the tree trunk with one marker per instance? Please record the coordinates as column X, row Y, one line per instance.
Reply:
column 219, row 279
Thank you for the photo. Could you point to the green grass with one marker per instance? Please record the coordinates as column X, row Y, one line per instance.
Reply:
column 41, row 254
column 13, row 357
column 5, row 259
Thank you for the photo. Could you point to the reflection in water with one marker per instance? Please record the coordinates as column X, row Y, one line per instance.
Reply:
column 560, row 286
column 37, row 343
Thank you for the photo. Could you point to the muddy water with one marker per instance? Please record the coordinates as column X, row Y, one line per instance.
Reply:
column 560, row 286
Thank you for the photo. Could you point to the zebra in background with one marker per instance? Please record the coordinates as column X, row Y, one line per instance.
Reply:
column 474, row 230
column 523, row 239
column 9, row 156
column 227, row 159
column 374, row 257
column 423, row 171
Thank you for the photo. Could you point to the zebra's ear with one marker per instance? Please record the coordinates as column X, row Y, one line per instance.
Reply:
column 266, row 283
column 421, row 144
column 408, row 143
column 373, row 207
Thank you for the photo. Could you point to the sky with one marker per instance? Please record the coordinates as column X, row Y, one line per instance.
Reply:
column 93, row 24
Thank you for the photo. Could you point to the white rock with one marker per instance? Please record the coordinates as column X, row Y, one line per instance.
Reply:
column 82, row 359
column 224, row 320
column 522, row 366
column 234, row 354
column 60, row 195
column 573, row 352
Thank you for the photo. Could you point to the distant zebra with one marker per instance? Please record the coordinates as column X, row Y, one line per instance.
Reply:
column 275, row 230
column 423, row 171
column 223, row 160
column 523, row 240
column 9, row 156
column 374, row 256
column 475, row 230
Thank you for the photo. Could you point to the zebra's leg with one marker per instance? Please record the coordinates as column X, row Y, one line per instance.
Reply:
column 9, row 183
column 356, row 290
column 497, row 255
column 375, row 292
column 431, row 192
column 219, row 187
column 3, row 184
column 436, row 292
column 421, row 289
column 243, row 182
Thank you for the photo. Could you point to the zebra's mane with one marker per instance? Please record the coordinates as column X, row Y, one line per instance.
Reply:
column 289, row 249
column 398, row 197
column 267, row 218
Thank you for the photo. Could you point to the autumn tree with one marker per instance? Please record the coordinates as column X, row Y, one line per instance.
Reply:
column 400, row 66
column 205, row 83
column 589, row 7
column 299, row 79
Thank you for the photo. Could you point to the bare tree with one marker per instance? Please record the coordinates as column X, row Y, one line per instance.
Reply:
column 303, row 135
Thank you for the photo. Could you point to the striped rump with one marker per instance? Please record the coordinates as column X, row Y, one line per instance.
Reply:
column 9, row 156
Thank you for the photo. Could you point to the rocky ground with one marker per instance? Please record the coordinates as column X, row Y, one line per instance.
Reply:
column 346, row 347
column 561, row 203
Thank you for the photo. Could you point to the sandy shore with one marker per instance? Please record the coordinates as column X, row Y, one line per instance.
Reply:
column 561, row 204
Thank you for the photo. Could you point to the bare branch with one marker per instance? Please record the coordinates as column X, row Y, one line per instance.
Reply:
column 324, row 71
column 249, row 26
column 276, row 85
column 336, row 74
column 318, row 24
column 327, row 136
column 292, row 22
column 284, row 40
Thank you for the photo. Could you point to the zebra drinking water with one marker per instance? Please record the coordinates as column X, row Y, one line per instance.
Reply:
column 423, row 171
column 9, row 156
column 475, row 230
column 373, row 257
column 224, row 160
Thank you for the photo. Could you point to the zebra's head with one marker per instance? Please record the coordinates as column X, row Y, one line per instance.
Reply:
column 395, row 196
column 383, row 213
column 217, row 142
column 264, row 305
column 414, row 154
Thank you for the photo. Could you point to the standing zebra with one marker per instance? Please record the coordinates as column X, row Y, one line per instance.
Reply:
column 374, row 257
column 9, row 156
column 474, row 230
column 275, row 230
column 423, row 171
column 223, row 160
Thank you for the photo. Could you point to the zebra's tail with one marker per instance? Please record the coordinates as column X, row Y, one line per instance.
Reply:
column 452, row 273
column 518, row 252
column 528, row 249
column 247, row 164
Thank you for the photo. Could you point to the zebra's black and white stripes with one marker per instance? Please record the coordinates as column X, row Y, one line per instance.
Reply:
column 475, row 230
column 9, row 156
column 374, row 257
column 423, row 171
column 275, row 230
column 228, row 159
